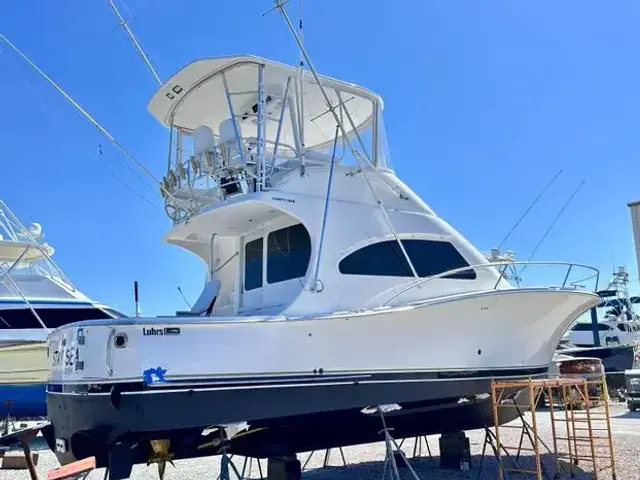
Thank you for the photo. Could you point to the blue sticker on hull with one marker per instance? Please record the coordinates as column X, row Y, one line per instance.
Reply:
column 153, row 376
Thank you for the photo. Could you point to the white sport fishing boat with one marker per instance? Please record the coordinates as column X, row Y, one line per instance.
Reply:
column 330, row 286
column 612, row 334
column 35, row 298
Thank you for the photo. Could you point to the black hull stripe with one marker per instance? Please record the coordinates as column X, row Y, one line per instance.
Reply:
column 298, row 380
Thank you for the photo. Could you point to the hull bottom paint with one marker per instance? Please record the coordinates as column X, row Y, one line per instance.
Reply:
column 23, row 400
column 283, row 419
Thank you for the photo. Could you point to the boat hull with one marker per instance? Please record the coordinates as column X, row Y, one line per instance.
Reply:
column 91, row 424
column 23, row 374
column 25, row 363
column 201, row 372
column 23, row 400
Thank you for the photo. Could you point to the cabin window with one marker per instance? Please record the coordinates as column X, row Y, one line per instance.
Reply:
column 588, row 327
column 288, row 253
column 253, row 264
column 386, row 259
column 627, row 327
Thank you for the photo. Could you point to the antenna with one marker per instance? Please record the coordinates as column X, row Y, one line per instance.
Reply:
column 553, row 222
column 301, row 93
column 86, row 115
column 184, row 298
column 135, row 297
column 526, row 212
column 135, row 42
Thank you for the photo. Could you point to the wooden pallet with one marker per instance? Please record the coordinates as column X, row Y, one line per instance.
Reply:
column 73, row 471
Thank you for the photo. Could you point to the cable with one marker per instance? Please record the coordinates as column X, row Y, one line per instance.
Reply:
column 528, row 209
column 564, row 207
column 57, row 121
column 87, row 116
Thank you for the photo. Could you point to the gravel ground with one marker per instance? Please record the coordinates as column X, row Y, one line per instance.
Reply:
column 367, row 461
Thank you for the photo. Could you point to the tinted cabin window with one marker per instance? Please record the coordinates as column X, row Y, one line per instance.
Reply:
column 386, row 259
column 253, row 264
column 288, row 253
column 587, row 327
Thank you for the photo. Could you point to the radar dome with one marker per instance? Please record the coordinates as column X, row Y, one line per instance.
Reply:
column 35, row 229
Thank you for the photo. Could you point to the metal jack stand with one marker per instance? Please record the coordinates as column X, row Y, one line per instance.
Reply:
column 490, row 439
column 417, row 446
column 248, row 462
column 225, row 461
column 390, row 459
column 8, row 420
column 327, row 454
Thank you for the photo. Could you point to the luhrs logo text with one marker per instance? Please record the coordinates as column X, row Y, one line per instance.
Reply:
column 160, row 332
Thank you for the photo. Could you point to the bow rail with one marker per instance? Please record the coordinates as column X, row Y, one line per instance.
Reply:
column 504, row 274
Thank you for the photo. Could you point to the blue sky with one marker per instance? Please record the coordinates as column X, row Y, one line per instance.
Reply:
column 484, row 103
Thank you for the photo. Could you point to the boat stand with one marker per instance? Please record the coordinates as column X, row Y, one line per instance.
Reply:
column 490, row 439
column 392, row 447
column 327, row 455
column 8, row 419
column 226, row 461
column 417, row 447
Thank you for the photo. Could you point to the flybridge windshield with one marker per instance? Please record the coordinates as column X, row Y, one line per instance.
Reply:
column 40, row 267
column 236, row 123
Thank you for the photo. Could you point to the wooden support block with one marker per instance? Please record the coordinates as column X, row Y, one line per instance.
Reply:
column 17, row 461
column 73, row 470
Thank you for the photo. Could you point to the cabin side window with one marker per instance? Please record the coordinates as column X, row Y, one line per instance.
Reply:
column 288, row 253
column 253, row 264
column 429, row 258
column 588, row 327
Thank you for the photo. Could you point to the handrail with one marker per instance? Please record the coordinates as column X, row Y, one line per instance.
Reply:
column 191, row 205
column 9, row 215
column 502, row 272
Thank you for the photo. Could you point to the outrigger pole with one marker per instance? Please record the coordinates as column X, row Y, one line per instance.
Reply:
column 93, row 121
column 135, row 42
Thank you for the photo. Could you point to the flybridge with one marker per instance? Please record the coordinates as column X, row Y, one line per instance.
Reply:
column 238, row 123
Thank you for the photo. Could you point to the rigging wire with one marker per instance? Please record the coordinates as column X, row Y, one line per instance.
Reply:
column 126, row 7
column 515, row 225
column 87, row 116
column 553, row 222
column 55, row 118
column 279, row 5
column 122, row 182
column 151, row 64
